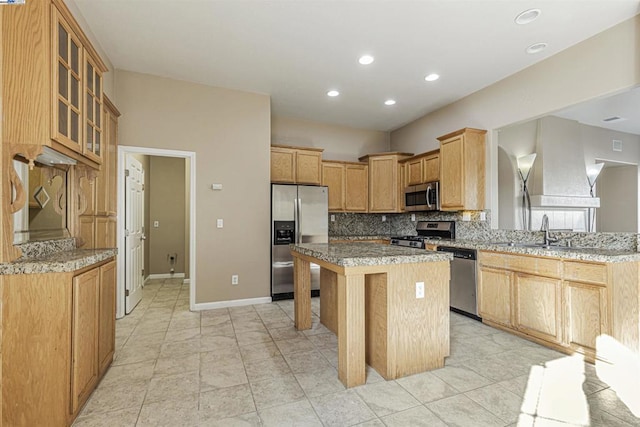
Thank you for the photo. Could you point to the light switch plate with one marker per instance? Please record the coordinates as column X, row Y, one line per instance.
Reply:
column 483, row 216
column 219, row 223
column 466, row 216
column 333, row 218
column 413, row 217
column 156, row 224
column 384, row 218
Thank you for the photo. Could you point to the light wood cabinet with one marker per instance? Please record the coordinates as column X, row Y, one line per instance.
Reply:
column 538, row 306
column 422, row 168
column 47, row 96
column 348, row 185
column 564, row 304
column 462, row 170
column 84, row 337
column 495, row 295
column 296, row 165
column 57, row 332
column 586, row 315
column 106, row 317
column 106, row 180
column 385, row 181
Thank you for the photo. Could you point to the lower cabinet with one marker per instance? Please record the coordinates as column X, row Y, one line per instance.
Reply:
column 58, row 339
column 537, row 301
column 586, row 315
column 494, row 295
column 564, row 303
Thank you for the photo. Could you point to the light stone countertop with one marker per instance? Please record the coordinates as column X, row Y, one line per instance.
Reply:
column 359, row 238
column 364, row 254
column 58, row 262
column 582, row 254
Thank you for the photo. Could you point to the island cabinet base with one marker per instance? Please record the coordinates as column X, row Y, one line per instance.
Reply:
column 404, row 335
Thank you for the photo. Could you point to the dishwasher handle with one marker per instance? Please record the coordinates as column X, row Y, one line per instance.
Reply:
column 460, row 253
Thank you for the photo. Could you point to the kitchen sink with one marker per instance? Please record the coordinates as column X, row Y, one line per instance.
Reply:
column 533, row 245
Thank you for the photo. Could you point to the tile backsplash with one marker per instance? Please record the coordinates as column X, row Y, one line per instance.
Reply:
column 362, row 224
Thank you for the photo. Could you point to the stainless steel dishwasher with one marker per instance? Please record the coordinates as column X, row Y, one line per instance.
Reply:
column 463, row 285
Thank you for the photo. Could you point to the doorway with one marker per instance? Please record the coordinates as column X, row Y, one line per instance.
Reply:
column 617, row 188
column 124, row 212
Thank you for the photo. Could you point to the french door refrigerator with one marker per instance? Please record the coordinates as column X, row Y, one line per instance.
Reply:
column 299, row 214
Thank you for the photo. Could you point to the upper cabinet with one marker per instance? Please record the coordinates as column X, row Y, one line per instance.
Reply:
column 296, row 165
column 52, row 82
column 462, row 170
column 422, row 168
column 385, row 181
column 348, row 184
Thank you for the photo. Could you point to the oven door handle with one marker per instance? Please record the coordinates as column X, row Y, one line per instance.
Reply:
column 429, row 197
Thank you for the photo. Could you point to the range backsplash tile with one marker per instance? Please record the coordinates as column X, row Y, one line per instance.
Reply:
column 356, row 224
column 359, row 224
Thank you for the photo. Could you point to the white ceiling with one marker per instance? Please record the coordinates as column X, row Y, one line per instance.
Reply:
column 624, row 105
column 296, row 51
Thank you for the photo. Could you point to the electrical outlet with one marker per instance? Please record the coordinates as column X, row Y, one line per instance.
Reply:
column 234, row 279
column 384, row 218
column 413, row 217
column 333, row 218
column 419, row 290
column 216, row 187
column 483, row 216
column 219, row 223
column 466, row 216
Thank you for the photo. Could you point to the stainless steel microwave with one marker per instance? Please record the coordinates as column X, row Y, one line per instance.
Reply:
column 423, row 197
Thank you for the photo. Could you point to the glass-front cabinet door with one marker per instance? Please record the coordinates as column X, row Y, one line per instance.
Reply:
column 93, row 111
column 67, row 83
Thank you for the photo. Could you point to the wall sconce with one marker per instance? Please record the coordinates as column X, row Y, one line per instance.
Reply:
column 593, row 171
column 525, row 163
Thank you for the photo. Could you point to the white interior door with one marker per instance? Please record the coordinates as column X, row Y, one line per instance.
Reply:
column 134, row 233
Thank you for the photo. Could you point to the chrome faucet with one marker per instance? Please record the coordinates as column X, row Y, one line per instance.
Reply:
column 548, row 239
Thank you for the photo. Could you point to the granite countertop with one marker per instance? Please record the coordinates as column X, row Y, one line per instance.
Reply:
column 58, row 262
column 363, row 254
column 583, row 254
column 359, row 238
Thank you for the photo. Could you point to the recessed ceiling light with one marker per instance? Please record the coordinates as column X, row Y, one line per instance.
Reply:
column 366, row 59
column 527, row 16
column 432, row 77
column 389, row 102
column 536, row 48
column 333, row 93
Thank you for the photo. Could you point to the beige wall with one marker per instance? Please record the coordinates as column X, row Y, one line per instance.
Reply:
column 604, row 64
column 167, row 206
column 617, row 188
column 230, row 133
column 339, row 142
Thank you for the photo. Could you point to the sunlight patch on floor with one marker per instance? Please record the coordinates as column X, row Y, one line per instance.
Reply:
column 621, row 371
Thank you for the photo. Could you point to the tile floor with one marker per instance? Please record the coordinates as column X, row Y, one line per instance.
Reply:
column 248, row 366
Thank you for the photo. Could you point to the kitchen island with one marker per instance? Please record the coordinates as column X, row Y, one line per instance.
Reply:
column 391, row 305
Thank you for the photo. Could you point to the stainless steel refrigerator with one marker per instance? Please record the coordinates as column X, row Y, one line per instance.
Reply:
column 299, row 214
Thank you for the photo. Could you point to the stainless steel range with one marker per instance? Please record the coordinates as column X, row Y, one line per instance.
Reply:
column 463, row 287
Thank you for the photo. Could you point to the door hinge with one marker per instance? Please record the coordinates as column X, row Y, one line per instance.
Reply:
column 126, row 172
column 143, row 272
column 126, row 293
column 142, row 187
column 126, row 233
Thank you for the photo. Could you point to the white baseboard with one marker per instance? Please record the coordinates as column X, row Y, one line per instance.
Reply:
column 186, row 281
column 146, row 279
column 230, row 303
column 166, row 276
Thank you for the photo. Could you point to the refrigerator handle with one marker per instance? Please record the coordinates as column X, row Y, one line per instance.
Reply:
column 299, row 220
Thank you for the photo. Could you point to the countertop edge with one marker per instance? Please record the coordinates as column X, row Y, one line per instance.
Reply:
column 59, row 262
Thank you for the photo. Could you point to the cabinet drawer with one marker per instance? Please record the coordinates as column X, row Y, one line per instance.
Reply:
column 585, row 272
column 522, row 263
